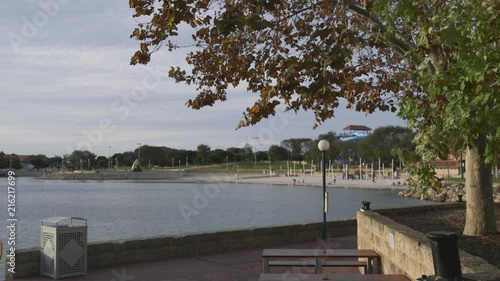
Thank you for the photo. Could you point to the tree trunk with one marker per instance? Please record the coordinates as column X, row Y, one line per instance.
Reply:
column 480, row 217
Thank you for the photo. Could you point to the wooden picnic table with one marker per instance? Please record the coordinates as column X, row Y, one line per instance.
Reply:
column 319, row 255
column 332, row 277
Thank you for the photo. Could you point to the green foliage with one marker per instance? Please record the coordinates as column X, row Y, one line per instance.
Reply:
column 237, row 154
column 218, row 156
column 80, row 158
column 333, row 153
column 4, row 161
column 278, row 153
column 298, row 147
column 38, row 161
column 202, row 154
column 383, row 140
column 102, row 162
column 457, row 55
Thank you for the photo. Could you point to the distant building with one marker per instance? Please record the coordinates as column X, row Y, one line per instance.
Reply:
column 247, row 146
column 449, row 167
column 355, row 133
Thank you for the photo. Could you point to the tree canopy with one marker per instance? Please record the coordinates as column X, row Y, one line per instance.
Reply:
column 298, row 147
column 381, row 143
column 278, row 153
column 439, row 59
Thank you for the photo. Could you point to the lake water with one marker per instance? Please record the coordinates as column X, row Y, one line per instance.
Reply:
column 131, row 209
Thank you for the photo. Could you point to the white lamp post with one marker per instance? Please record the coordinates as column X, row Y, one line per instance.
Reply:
column 323, row 146
column 109, row 158
column 255, row 148
column 139, row 153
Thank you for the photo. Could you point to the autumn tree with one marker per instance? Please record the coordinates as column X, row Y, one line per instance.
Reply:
column 438, row 59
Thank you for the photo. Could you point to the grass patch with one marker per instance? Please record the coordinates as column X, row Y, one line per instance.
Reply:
column 460, row 180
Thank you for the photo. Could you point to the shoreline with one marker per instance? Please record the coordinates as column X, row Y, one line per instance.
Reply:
column 307, row 180
column 183, row 177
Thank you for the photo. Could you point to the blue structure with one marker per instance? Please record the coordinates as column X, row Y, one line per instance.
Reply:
column 355, row 133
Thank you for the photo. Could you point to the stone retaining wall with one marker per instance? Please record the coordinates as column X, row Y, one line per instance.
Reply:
column 110, row 253
column 407, row 251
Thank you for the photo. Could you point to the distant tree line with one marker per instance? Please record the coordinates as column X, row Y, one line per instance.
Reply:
column 39, row 161
column 377, row 145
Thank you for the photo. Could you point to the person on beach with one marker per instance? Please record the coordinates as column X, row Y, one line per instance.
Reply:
column 334, row 179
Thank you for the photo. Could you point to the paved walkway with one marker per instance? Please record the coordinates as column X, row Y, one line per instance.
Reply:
column 245, row 265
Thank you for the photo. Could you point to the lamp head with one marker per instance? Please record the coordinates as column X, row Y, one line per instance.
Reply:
column 323, row 145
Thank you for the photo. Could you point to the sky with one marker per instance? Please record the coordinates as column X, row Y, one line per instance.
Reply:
column 66, row 84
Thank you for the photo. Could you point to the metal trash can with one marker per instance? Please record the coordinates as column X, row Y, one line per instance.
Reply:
column 63, row 246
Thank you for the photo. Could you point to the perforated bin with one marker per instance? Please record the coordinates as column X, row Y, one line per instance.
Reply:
column 63, row 246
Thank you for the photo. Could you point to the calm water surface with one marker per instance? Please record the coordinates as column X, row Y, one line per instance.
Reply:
column 126, row 209
column 130, row 209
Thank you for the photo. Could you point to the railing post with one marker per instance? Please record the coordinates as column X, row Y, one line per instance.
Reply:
column 445, row 255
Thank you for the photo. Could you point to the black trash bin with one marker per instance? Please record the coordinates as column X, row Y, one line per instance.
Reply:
column 445, row 255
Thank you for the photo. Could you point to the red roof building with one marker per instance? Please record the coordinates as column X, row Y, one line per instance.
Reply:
column 357, row 128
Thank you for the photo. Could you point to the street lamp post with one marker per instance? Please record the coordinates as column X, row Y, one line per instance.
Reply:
column 139, row 153
column 270, row 168
column 255, row 148
column 109, row 158
column 323, row 146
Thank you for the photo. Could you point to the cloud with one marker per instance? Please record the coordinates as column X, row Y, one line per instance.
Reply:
column 74, row 73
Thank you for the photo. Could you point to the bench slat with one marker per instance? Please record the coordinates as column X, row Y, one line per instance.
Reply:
column 312, row 263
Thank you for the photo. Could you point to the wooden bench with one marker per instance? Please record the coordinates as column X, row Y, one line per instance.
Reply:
column 292, row 257
column 312, row 263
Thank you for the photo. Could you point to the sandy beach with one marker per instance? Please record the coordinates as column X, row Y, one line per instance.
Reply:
column 334, row 180
column 304, row 180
